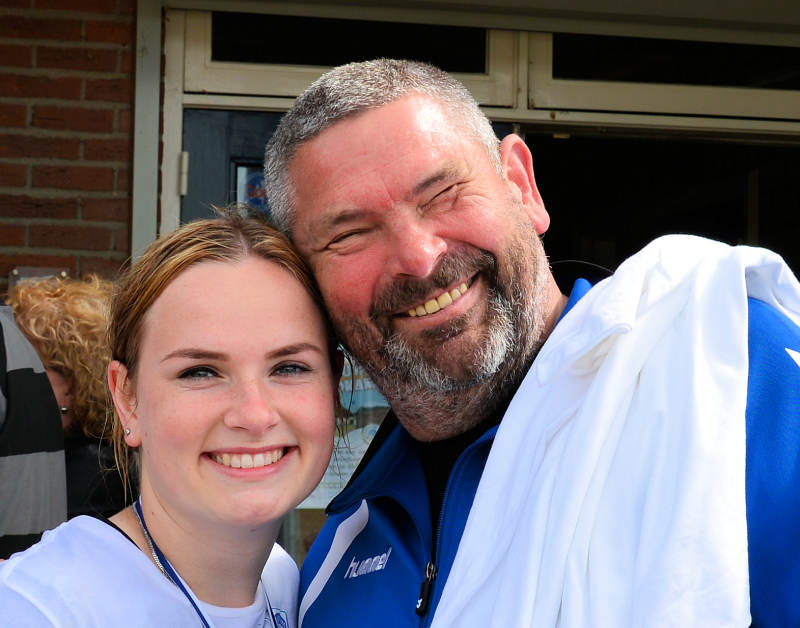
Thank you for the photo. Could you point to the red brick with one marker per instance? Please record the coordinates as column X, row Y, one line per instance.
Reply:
column 114, row 209
column 127, row 7
column 21, row 86
column 110, row 32
column 107, row 150
column 94, row 6
column 18, row 206
column 20, row 56
column 13, row 175
column 70, row 237
column 108, row 268
column 121, row 239
column 89, row 59
column 45, row 147
column 36, row 28
column 126, row 62
column 12, row 235
column 73, row 119
column 9, row 262
column 115, row 90
column 124, row 121
column 73, row 178
column 123, row 180
column 13, row 115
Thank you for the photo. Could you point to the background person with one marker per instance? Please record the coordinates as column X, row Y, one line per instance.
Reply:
column 230, row 403
column 33, row 487
column 66, row 320
column 615, row 491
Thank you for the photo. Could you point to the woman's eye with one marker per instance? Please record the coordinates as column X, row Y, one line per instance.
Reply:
column 291, row 369
column 198, row 372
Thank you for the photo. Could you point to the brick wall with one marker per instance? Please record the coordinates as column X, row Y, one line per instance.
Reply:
column 66, row 100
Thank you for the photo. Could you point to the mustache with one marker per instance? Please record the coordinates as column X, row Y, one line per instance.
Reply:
column 402, row 294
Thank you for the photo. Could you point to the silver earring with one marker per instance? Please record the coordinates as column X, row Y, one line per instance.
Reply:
column 127, row 431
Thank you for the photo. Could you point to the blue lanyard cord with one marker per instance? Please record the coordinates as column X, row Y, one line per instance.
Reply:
column 166, row 568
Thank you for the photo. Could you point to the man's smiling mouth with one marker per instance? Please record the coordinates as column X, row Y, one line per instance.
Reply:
column 442, row 301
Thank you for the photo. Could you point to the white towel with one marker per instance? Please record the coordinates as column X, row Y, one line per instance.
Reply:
column 614, row 491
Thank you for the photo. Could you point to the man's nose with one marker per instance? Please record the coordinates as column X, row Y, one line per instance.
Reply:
column 417, row 248
column 252, row 407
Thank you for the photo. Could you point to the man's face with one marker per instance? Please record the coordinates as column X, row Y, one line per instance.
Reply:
column 429, row 261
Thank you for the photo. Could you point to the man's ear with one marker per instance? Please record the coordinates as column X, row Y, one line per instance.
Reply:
column 516, row 163
column 121, row 389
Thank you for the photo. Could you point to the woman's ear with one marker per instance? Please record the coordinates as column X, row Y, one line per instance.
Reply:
column 516, row 163
column 121, row 389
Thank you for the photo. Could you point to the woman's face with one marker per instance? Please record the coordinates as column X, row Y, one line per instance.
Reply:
column 233, row 397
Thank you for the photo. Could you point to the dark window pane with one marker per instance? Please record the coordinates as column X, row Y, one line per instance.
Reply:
column 641, row 60
column 258, row 38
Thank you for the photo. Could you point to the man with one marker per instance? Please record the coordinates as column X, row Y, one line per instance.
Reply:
column 33, row 481
column 613, row 492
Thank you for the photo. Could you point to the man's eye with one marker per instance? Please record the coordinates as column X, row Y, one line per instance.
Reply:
column 444, row 196
column 198, row 372
column 352, row 236
column 338, row 239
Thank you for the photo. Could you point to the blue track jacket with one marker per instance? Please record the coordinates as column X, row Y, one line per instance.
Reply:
column 378, row 557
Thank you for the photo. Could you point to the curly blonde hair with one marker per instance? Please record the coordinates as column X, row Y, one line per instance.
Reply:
column 66, row 320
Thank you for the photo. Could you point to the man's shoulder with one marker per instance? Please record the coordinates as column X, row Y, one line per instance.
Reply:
column 774, row 341
column 773, row 475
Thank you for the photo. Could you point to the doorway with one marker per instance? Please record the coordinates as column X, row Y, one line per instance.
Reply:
column 608, row 196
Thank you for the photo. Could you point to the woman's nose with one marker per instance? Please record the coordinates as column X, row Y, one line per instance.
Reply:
column 252, row 408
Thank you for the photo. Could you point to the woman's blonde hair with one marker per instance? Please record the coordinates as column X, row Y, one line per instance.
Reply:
column 66, row 321
column 231, row 237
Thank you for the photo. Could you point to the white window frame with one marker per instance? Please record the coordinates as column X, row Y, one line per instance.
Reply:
column 203, row 75
column 545, row 92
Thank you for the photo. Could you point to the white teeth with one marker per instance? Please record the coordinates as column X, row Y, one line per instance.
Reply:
column 246, row 461
column 442, row 301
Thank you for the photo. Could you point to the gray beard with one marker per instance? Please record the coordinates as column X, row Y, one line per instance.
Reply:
column 433, row 405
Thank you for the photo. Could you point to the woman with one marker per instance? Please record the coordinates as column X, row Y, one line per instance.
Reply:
column 66, row 320
column 224, row 378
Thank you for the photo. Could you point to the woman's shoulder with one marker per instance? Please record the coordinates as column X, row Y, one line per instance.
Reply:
column 74, row 573
column 78, row 551
column 69, row 540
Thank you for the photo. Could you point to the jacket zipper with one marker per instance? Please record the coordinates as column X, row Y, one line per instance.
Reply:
column 431, row 571
column 426, row 589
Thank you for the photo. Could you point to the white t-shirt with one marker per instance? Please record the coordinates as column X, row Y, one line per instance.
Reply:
column 86, row 573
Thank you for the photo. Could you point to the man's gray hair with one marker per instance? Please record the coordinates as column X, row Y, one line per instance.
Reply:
column 351, row 89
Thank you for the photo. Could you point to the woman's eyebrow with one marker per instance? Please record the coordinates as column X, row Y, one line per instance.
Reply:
column 294, row 349
column 194, row 354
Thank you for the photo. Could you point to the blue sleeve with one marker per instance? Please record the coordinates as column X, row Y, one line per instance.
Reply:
column 773, row 467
